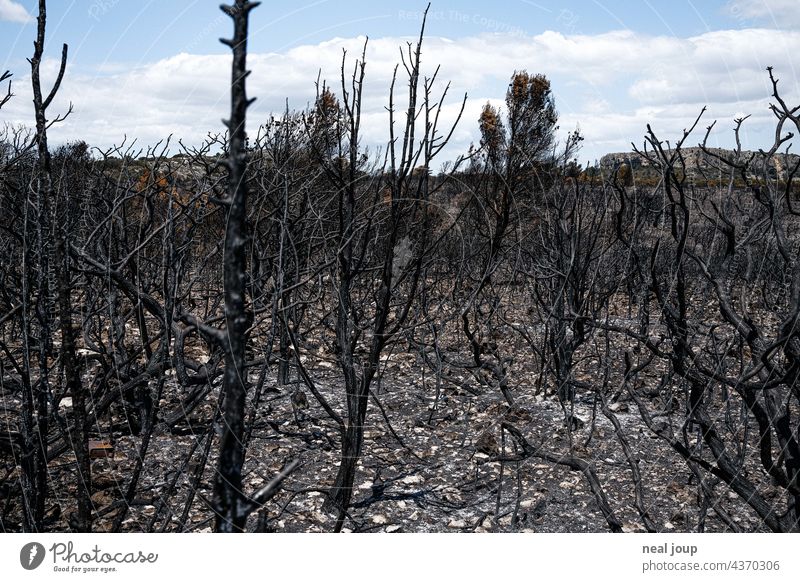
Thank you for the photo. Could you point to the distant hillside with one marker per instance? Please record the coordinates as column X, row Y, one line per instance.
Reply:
column 702, row 164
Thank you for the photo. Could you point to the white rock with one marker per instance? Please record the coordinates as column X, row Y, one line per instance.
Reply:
column 620, row 407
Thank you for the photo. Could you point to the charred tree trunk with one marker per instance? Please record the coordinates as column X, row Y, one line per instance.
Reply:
column 44, row 302
column 228, row 488
column 359, row 353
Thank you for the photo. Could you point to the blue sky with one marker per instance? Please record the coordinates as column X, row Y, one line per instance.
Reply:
column 128, row 30
column 150, row 68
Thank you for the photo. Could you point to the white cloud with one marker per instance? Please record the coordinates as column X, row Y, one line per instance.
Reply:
column 777, row 13
column 14, row 12
column 718, row 67
column 611, row 84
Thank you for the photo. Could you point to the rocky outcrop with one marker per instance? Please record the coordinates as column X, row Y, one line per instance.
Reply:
column 706, row 163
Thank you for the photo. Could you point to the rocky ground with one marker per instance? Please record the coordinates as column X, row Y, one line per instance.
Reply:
column 423, row 469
